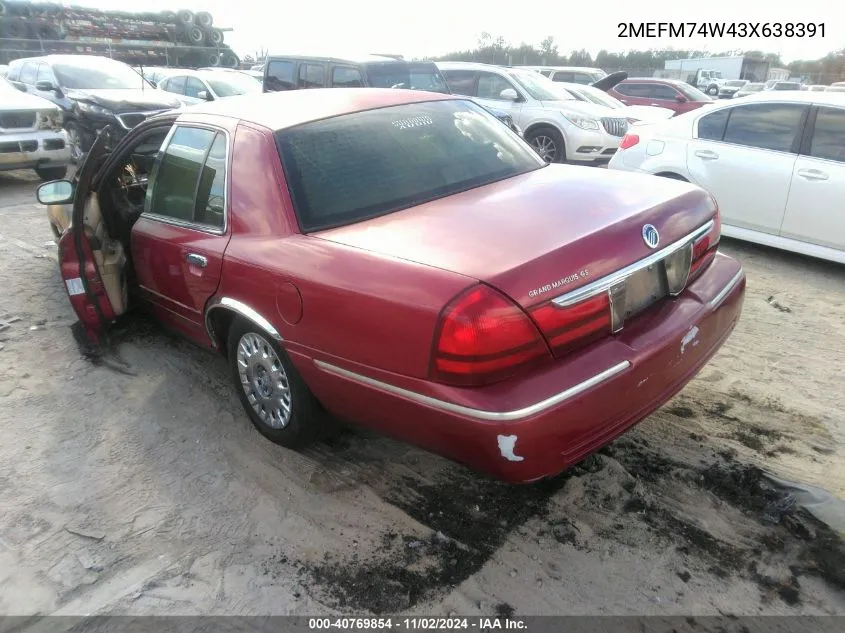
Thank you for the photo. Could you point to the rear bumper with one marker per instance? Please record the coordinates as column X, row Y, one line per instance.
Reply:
column 25, row 150
column 540, row 425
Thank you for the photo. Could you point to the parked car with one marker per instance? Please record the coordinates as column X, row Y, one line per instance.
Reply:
column 556, row 124
column 292, row 72
column 633, row 113
column 775, row 163
column 475, row 280
column 195, row 86
column 662, row 93
column 731, row 87
column 816, row 88
column 749, row 89
column 568, row 74
column 785, row 85
column 31, row 134
column 835, row 88
column 92, row 92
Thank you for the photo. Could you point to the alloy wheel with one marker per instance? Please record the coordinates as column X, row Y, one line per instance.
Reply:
column 545, row 146
column 264, row 380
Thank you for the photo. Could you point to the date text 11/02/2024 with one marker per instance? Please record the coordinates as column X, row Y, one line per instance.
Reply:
column 720, row 29
column 479, row 624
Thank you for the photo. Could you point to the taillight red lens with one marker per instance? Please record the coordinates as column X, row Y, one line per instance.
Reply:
column 573, row 326
column 705, row 247
column 484, row 337
column 629, row 140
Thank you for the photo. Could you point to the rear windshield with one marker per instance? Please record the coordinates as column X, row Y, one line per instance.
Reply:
column 405, row 75
column 366, row 164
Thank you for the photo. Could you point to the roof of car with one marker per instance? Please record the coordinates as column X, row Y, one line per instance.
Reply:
column 66, row 59
column 589, row 69
column 354, row 58
column 475, row 65
column 279, row 110
column 801, row 96
column 657, row 80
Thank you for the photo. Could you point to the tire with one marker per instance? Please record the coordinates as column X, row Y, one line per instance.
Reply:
column 215, row 37
column 185, row 16
column 51, row 173
column 672, row 176
column 204, row 19
column 213, row 59
column 194, row 35
column 713, row 91
column 229, row 60
column 79, row 141
column 306, row 420
column 544, row 138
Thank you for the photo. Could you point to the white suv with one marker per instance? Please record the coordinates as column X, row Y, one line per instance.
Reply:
column 557, row 125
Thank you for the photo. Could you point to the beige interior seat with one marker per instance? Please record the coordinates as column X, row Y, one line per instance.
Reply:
column 108, row 255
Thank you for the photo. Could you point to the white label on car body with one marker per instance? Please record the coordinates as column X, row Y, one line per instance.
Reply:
column 74, row 286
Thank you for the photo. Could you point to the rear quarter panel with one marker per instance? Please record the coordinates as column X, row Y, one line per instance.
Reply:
column 327, row 300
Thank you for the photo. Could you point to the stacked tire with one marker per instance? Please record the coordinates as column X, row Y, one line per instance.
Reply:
column 48, row 25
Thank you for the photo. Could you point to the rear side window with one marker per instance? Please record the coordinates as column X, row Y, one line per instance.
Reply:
column 279, row 76
column 661, row 91
column 564, row 75
column 175, row 85
column 28, row 73
column 765, row 125
column 14, row 73
column 188, row 179
column 461, row 82
column 346, row 77
column 311, row 76
column 358, row 166
column 633, row 90
column 712, row 126
column 828, row 140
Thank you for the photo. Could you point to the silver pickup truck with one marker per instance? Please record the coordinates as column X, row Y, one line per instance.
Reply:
column 31, row 134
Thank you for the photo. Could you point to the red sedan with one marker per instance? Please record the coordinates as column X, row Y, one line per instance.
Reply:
column 403, row 260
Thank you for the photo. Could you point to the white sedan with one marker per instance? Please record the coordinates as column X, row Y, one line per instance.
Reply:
column 775, row 163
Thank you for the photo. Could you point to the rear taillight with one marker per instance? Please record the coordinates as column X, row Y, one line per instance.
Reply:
column 705, row 247
column 483, row 337
column 572, row 326
column 629, row 140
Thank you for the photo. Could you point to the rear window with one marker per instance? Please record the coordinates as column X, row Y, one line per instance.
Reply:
column 405, row 75
column 359, row 166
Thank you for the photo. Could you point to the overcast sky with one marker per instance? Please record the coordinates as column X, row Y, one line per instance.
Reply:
column 435, row 27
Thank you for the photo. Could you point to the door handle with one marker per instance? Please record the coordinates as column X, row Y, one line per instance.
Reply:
column 196, row 260
column 813, row 174
column 707, row 154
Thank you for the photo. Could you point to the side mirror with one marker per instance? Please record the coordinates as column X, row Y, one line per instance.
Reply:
column 55, row 192
column 509, row 94
column 681, row 99
column 202, row 94
column 45, row 86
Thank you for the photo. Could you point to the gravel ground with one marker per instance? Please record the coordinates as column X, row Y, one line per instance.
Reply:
column 149, row 492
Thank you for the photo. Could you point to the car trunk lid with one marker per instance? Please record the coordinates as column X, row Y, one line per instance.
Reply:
column 580, row 249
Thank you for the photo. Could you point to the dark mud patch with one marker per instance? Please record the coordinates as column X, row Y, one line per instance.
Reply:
column 470, row 518
column 757, row 437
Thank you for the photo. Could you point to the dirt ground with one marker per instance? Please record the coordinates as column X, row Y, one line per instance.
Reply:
column 150, row 492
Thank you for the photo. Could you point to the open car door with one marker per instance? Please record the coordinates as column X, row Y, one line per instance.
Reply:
column 86, row 264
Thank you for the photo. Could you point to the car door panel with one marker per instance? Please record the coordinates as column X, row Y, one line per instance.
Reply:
column 743, row 156
column 488, row 88
column 815, row 211
column 178, row 251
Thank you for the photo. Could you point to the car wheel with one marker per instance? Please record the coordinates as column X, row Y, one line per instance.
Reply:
column 713, row 91
column 271, row 390
column 51, row 173
column 548, row 143
column 78, row 141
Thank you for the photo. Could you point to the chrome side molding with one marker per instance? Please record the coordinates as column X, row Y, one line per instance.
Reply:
column 479, row 414
column 241, row 309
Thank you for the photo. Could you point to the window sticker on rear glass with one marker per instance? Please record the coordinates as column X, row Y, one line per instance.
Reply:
column 74, row 286
column 414, row 121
